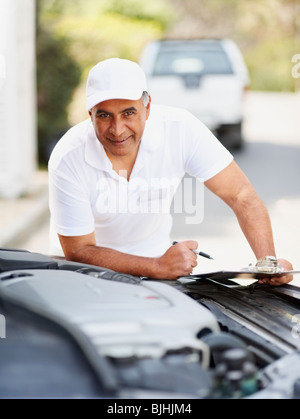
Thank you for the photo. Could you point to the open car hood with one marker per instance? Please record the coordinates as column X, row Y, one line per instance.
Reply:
column 71, row 330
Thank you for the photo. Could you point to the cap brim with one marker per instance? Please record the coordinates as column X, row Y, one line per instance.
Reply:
column 99, row 97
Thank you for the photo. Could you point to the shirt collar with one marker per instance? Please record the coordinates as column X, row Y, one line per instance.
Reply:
column 94, row 151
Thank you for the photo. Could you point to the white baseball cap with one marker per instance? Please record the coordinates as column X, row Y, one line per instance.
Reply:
column 115, row 78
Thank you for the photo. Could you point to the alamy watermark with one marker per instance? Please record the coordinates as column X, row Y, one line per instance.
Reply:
column 2, row 327
column 296, row 327
column 2, row 70
column 296, row 67
column 159, row 195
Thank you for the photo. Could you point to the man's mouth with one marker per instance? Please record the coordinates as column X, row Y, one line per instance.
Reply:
column 118, row 142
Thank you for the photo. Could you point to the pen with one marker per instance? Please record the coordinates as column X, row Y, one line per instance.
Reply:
column 205, row 255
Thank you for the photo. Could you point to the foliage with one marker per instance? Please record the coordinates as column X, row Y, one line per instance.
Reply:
column 158, row 11
column 74, row 36
column 97, row 38
column 57, row 76
column 270, row 67
column 99, row 29
column 267, row 32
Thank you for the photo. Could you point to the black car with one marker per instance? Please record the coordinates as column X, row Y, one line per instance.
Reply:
column 70, row 330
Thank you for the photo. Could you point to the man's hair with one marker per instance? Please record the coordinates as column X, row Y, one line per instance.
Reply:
column 145, row 98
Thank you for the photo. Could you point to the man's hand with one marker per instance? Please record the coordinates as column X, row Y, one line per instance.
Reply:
column 287, row 266
column 178, row 260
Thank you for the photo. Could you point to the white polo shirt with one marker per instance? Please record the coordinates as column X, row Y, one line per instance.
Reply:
column 87, row 195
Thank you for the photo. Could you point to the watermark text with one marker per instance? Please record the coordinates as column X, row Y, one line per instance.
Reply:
column 296, row 67
column 159, row 195
column 296, row 327
column 2, row 327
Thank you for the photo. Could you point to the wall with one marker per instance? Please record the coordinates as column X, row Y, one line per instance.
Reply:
column 17, row 97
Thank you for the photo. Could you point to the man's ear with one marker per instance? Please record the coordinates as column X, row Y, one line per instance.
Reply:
column 148, row 107
column 91, row 115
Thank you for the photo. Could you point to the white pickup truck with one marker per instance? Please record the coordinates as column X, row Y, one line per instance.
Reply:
column 208, row 77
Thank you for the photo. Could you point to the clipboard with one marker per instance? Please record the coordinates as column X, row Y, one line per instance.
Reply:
column 243, row 273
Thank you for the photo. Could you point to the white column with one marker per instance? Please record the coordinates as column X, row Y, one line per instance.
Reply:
column 17, row 97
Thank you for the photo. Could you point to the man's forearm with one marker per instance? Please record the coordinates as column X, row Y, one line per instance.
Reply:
column 233, row 186
column 255, row 223
column 177, row 261
column 117, row 261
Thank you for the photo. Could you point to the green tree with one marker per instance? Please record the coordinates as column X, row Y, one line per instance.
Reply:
column 267, row 32
column 57, row 76
column 74, row 36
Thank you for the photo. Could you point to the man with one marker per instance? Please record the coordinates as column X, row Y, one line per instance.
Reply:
column 113, row 176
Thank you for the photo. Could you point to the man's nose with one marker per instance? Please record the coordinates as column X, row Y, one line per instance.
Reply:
column 117, row 127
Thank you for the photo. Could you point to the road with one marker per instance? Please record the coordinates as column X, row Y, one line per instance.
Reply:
column 271, row 160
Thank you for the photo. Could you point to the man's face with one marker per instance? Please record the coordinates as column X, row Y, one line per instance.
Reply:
column 119, row 125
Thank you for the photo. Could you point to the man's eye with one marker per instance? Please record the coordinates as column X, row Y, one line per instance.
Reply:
column 103, row 115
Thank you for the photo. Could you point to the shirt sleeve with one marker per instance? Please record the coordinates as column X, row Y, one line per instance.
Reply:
column 71, row 213
column 205, row 155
